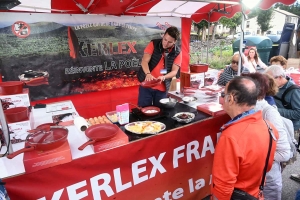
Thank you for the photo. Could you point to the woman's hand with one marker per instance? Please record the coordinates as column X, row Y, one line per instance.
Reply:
column 161, row 78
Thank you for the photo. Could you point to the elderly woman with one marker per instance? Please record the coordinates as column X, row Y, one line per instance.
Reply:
column 272, row 91
column 273, row 186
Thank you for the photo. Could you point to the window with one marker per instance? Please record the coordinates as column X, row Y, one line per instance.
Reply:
column 248, row 24
column 219, row 27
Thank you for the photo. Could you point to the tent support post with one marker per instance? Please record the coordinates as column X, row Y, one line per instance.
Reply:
column 241, row 41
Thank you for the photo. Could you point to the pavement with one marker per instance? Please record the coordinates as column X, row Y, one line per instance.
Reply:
column 289, row 186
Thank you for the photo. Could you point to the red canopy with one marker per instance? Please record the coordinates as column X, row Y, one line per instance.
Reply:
column 194, row 9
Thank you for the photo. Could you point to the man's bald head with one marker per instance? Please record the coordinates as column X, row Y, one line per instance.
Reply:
column 244, row 90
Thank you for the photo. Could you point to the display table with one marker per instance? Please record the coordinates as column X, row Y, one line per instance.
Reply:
column 171, row 165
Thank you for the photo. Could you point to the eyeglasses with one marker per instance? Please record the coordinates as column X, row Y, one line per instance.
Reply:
column 234, row 62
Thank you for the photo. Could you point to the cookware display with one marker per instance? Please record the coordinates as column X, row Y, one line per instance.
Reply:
column 43, row 140
column 145, row 127
column 168, row 102
column 11, row 87
column 150, row 84
column 99, row 132
column 148, row 110
column 34, row 78
column 184, row 117
column 16, row 114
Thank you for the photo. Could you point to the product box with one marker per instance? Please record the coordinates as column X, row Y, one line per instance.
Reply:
column 194, row 80
column 37, row 160
column 120, row 139
column 18, row 131
column 16, row 100
column 213, row 109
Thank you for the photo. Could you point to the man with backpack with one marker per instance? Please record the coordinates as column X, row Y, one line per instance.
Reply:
column 287, row 101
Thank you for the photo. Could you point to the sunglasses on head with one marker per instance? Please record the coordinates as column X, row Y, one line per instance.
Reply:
column 234, row 62
column 223, row 94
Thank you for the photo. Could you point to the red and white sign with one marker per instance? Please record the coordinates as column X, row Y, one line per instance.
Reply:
column 21, row 29
column 173, row 165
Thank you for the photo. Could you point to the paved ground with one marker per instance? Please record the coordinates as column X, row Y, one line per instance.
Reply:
column 290, row 186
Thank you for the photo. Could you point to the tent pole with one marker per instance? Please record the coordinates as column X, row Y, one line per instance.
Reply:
column 208, row 37
column 241, row 41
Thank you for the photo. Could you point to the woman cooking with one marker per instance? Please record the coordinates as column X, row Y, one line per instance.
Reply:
column 253, row 62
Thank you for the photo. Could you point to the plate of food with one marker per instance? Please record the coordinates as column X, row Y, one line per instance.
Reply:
column 145, row 127
column 184, row 117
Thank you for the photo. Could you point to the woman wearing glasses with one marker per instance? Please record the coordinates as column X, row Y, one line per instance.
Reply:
column 253, row 62
column 231, row 71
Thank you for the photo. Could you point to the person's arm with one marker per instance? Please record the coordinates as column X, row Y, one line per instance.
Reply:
column 294, row 113
column 221, row 79
column 262, row 64
column 175, row 68
column 225, row 167
column 283, row 149
column 145, row 61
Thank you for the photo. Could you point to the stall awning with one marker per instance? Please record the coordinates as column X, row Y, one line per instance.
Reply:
column 194, row 9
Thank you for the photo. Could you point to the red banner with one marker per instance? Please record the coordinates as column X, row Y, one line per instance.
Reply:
column 173, row 165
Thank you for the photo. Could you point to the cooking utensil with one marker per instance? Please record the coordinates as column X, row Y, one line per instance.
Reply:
column 148, row 110
column 184, row 117
column 145, row 127
column 150, row 84
column 199, row 68
column 99, row 132
column 16, row 114
column 168, row 102
column 44, row 140
column 11, row 87
column 42, row 127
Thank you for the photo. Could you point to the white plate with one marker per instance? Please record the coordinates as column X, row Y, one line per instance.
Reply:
column 145, row 127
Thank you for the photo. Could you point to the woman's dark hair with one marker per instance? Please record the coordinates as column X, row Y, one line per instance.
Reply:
column 243, row 91
column 263, row 82
column 173, row 32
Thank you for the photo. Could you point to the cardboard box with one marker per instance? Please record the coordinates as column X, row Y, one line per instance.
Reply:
column 37, row 160
column 212, row 108
column 194, row 80
column 120, row 139
column 17, row 100
column 18, row 131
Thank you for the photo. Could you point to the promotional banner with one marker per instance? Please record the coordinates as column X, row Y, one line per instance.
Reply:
column 173, row 165
column 59, row 54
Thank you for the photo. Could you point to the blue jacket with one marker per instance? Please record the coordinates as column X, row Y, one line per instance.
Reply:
column 294, row 98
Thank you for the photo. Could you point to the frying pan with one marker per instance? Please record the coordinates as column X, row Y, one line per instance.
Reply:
column 99, row 132
column 146, row 110
column 11, row 87
column 150, row 84
column 44, row 140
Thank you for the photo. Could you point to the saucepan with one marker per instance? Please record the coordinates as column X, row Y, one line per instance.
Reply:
column 99, row 132
column 148, row 110
column 16, row 114
column 44, row 140
column 150, row 84
column 11, row 87
column 168, row 102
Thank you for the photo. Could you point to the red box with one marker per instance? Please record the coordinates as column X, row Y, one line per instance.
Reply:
column 212, row 109
column 37, row 160
column 120, row 139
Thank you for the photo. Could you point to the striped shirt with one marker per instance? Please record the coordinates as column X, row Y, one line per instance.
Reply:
column 229, row 74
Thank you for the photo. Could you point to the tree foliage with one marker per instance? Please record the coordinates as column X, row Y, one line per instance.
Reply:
column 264, row 18
column 233, row 22
column 295, row 8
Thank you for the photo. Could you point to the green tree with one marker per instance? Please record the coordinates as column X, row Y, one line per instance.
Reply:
column 232, row 23
column 294, row 8
column 263, row 19
column 201, row 26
